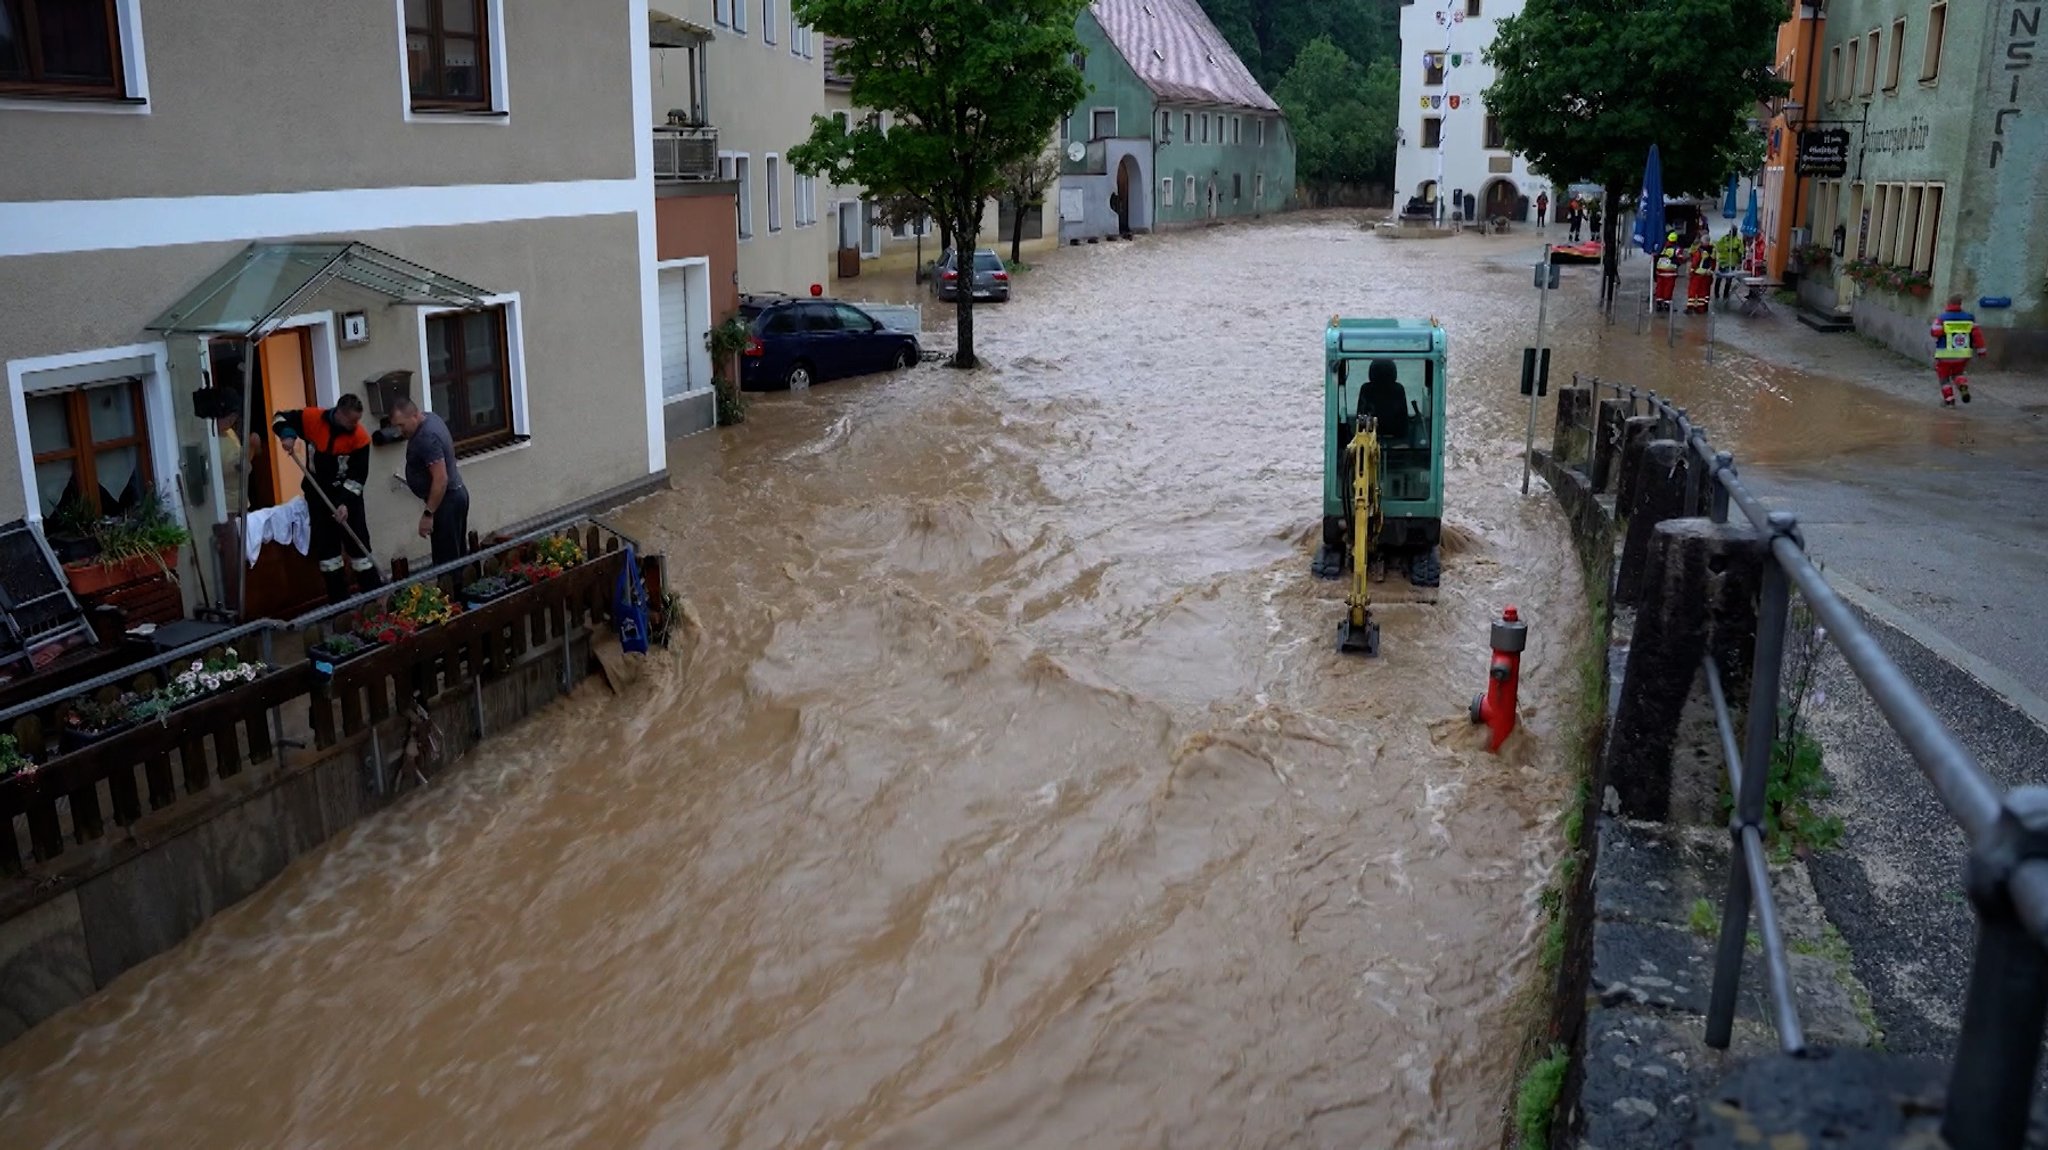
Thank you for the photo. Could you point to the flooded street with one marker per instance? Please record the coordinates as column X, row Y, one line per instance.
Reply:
column 1003, row 790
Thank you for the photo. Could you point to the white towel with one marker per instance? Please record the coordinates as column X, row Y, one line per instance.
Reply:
column 288, row 523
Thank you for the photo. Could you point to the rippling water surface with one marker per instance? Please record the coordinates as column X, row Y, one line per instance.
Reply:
column 1002, row 791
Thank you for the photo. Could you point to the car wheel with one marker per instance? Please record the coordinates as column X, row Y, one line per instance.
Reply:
column 906, row 358
column 799, row 376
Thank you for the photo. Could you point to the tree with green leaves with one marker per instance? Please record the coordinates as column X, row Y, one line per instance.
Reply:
column 1025, row 183
column 1584, row 87
column 972, row 87
column 1343, row 116
column 1270, row 35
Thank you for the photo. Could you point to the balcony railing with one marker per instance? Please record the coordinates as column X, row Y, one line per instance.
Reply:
column 685, row 152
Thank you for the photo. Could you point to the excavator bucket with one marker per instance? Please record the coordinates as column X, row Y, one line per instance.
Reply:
column 1359, row 638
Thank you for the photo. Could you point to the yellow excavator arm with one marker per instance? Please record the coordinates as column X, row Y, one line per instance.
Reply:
column 1360, row 633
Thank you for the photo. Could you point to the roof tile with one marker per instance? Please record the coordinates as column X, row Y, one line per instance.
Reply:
column 1178, row 52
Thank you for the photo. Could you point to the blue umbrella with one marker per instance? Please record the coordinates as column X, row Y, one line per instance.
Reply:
column 1749, row 225
column 1728, row 202
column 1650, row 213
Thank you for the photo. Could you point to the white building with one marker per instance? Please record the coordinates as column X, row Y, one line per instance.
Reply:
column 1450, row 146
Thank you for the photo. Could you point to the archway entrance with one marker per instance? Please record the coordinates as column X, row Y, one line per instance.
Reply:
column 1501, row 198
column 1126, row 179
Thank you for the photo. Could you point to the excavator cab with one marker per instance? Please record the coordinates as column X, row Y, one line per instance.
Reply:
column 1387, row 377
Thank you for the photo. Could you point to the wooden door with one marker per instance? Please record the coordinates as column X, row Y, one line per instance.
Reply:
column 287, row 362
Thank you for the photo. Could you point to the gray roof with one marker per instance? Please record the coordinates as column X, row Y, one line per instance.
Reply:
column 1178, row 52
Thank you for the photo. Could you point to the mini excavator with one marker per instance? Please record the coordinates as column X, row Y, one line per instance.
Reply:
column 1383, row 466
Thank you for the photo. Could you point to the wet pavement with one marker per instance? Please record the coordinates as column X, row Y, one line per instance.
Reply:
column 1003, row 789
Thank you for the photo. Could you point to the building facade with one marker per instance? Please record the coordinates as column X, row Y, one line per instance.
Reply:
column 764, row 88
column 1450, row 151
column 462, row 198
column 1174, row 131
column 1782, row 191
column 1943, row 102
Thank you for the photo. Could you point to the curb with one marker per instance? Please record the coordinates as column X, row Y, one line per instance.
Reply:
column 1999, row 683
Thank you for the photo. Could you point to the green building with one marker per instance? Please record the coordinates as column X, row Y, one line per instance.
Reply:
column 1945, row 104
column 1174, row 130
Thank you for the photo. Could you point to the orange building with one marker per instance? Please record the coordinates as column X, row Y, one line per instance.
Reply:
column 1782, row 199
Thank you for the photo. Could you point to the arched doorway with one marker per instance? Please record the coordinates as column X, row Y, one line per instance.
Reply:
column 1426, row 191
column 1212, row 197
column 1501, row 197
column 1127, row 179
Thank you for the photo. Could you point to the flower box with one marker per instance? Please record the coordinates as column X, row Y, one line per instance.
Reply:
column 490, row 589
column 339, row 649
column 91, row 577
column 71, row 739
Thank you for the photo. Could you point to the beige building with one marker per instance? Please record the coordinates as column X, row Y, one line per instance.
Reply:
column 761, row 87
column 456, row 191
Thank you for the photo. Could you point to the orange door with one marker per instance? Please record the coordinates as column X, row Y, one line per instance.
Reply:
column 287, row 362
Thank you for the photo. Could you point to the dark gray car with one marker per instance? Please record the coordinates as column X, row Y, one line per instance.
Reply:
column 991, row 278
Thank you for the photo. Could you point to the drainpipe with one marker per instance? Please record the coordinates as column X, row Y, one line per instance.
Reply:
column 1805, row 102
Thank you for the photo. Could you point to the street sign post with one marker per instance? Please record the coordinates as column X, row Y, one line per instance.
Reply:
column 1536, row 360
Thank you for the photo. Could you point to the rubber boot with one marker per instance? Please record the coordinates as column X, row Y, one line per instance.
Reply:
column 337, row 585
column 1963, row 387
column 369, row 578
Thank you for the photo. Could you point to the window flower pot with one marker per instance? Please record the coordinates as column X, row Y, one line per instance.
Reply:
column 328, row 656
column 91, row 577
column 490, row 589
column 71, row 739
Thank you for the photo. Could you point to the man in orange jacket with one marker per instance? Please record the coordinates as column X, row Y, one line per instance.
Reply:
column 1957, row 341
column 337, row 464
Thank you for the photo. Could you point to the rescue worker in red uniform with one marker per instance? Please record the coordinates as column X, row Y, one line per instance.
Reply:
column 1957, row 341
column 1667, row 271
column 1699, row 283
column 337, row 464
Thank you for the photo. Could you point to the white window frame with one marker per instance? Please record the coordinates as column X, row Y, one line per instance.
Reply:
column 1934, row 46
column 739, row 17
column 1259, row 130
column 1237, row 129
column 771, row 170
column 743, row 174
column 1258, row 188
column 1835, row 73
column 515, row 365
column 768, row 22
column 500, row 111
column 1895, row 60
column 1192, row 202
column 1113, row 125
column 1873, row 44
column 1187, row 127
column 134, row 99
column 721, row 12
column 1933, row 197
column 71, row 369
column 1165, row 126
column 1166, row 191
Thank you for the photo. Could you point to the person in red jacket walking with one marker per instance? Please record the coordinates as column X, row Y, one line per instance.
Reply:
column 1957, row 341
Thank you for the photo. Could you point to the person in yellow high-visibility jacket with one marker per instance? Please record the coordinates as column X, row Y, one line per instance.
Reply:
column 1957, row 341
column 1667, row 271
column 1727, row 253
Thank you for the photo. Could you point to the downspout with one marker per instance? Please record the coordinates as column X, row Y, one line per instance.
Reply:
column 1806, row 101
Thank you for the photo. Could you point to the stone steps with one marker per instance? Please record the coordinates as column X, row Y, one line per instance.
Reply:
column 1826, row 321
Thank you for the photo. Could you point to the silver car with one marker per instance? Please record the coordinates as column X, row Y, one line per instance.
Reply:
column 991, row 278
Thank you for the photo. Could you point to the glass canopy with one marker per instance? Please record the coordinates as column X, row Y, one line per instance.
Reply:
column 266, row 283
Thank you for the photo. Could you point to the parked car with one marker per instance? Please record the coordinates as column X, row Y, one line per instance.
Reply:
column 798, row 342
column 991, row 278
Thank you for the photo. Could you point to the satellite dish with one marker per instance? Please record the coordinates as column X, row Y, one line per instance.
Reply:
column 1077, row 151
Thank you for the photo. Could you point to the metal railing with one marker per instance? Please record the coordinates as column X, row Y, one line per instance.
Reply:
column 685, row 152
column 1991, row 1083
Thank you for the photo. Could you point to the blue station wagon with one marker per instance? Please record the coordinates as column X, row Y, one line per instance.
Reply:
column 798, row 342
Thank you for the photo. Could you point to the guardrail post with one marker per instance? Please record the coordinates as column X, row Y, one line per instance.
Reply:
column 1636, row 433
column 1772, row 610
column 1570, row 437
column 1717, row 507
column 1991, row 1085
column 1608, row 423
column 1657, row 494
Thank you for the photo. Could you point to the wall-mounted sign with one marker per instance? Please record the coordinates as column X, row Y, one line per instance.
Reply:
column 1824, row 152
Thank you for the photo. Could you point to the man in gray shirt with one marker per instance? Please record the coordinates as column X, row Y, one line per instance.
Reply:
column 431, row 473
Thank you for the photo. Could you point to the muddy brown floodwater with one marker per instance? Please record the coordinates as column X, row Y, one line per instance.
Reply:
column 1004, row 789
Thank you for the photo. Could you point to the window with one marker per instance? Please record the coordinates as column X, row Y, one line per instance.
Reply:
column 1187, row 126
column 1855, row 223
column 1870, row 59
column 1835, row 72
column 1102, row 123
column 845, row 120
column 1191, row 191
column 741, row 172
column 1433, row 69
column 1494, row 137
column 773, row 170
column 1471, row 8
column 1929, row 230
column 469, row 378
column 1432, row 132
column 60, row 48
column 1909, row 227
column 90, row 446
column 1166, row 192
column 1166, row 127
column 1937, row 30
column 1259, row 189
column 1236, row 186
column 806, row 200
column 767, row 21
column 1237, row 129
column 1854, row 74
column 1205, row 127
column 721, row 11
column 448, row 54
column 1897, row 58
column 1259, row 125
column 739, row 16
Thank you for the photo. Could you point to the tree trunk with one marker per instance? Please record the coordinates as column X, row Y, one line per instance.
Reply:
column 1017, row 231
column 963, row 302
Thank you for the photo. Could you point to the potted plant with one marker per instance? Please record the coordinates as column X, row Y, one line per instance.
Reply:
column 384, row 627
column 534, row 571
column 489, row 589
column 133, row 546
column 13, row 763
column 423, row 605
column 340, row 648
column 69, row 530
column 91, row 719
column 560, row 550
column 1919, row 284
column 208, row 676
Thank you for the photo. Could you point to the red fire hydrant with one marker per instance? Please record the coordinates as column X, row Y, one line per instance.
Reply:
column 1496, row 708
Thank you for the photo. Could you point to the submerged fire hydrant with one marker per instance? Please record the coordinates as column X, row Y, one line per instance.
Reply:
column 1496, row 708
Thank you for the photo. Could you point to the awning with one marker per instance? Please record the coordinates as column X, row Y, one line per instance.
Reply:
column 250, row 295
column 666, row 31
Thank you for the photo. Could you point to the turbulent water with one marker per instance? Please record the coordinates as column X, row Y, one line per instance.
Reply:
column 1003, row 789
